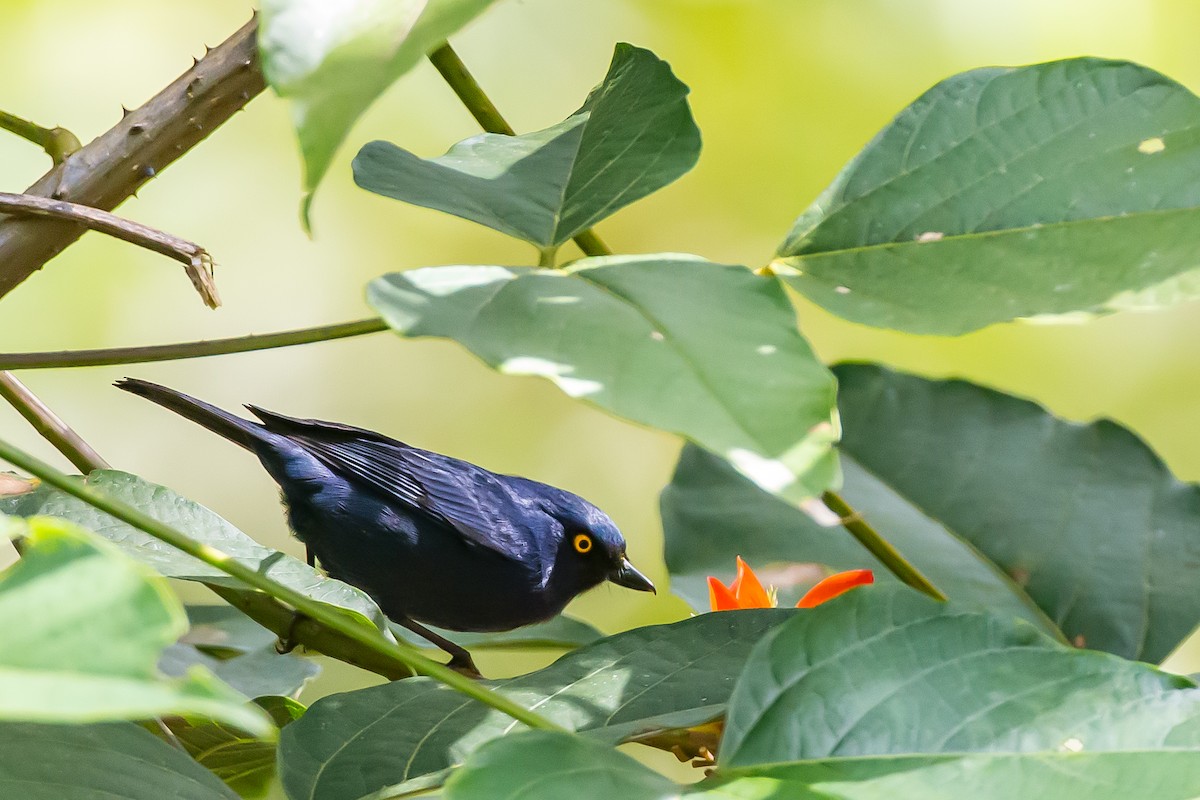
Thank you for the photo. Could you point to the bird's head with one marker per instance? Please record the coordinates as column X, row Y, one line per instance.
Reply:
column 592, row 549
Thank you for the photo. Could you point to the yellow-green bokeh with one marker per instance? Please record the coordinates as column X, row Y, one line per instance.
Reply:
column 785, row 92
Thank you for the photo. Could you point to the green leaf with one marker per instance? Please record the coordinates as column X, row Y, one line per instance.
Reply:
column 711, row 514
column 642, row 681
column 246, row 764
column 562, row 632
column 633, row 135
column 86, row 762
column 83, row 629
column 197, row 522
column 1086, row 517
column 1012, row 192
column 1164, row 775
column 709, row 351
column 331, row 60
column 254, row 674
column 224, row 632
column 548, row 765
column 885, row 671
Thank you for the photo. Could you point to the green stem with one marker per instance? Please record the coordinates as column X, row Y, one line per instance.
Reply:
column 326, row 615
column 49, row 425
column 173, row 352
column 546, row 257
column 57, row 142
column 879, row 547
column 460, row 79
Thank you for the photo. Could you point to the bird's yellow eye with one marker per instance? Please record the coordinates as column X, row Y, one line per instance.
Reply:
column 583, row 543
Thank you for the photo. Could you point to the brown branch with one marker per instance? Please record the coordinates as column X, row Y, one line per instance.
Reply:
column 108, row 170
column 195, row 259
column 50, row 425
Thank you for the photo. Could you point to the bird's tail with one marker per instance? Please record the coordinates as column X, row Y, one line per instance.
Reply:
column 221, row 422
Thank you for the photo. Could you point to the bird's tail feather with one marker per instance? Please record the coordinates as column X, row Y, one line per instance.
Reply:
column 221, row 422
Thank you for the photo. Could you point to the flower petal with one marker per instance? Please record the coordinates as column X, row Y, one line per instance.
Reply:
column 834, row 585
column 720, row 598
column 748, row 589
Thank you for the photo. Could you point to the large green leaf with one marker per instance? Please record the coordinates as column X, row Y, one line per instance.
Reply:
column 543, row 765
column 547, row 764
column 634, row 683
column 711, row 514
column 633, row 136
column 83, row 627
column 1004, row 193
column 885, row 671
column 1085, row 517
column 705, row 350
column 331, row 60
column 1162, row 775
column 87, row 762
column 197, row 522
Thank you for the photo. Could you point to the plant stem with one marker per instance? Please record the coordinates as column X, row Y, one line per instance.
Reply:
column 57, row 142
column 879, row 547
column 195, row 259
column 181, row 350
column 326, row 615
column 50, row 425
column 460, row 79
column 546, row 257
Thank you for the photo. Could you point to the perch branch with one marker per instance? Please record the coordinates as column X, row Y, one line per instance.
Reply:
column 108, row 170
column 50, row 425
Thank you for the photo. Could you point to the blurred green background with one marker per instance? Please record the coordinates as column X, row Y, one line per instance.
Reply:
column 784, row 91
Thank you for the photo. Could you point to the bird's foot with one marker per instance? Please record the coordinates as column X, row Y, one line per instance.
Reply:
column 287, row 641
column 463, row 664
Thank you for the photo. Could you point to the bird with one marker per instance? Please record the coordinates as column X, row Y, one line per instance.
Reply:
column 432, row 539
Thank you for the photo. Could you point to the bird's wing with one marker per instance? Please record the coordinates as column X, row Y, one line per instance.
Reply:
column 464, row 497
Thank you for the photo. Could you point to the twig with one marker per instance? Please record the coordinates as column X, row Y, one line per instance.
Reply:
column 195, row 259
column 57, row 142
column 108, row 170
column 879, row 547
column 460, row 79
column 172, row 352
column 49, row 425
column 327, row 616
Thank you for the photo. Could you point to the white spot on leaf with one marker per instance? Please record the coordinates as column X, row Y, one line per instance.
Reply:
column 657, row 336
column 930, row 236
column 768, row 473
column 1151, row 146
column 842, row 289
column 559, row 373
column 1072, row 745
column 766, row 349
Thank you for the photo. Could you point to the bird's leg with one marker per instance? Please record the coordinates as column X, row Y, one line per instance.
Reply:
column 460, row 659
column 287, row 642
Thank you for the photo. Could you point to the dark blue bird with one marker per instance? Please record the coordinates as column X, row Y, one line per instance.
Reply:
column 432, row 539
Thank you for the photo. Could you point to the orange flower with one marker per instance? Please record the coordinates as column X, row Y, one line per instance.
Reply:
column 747, row 591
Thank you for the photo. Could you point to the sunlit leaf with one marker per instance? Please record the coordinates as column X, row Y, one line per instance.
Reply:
column 1012, row 192
column 331, row 60
column 633, row 135
column 709, row 351
column 83, row 627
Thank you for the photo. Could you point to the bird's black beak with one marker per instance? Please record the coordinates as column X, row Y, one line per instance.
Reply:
column 628, row 576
